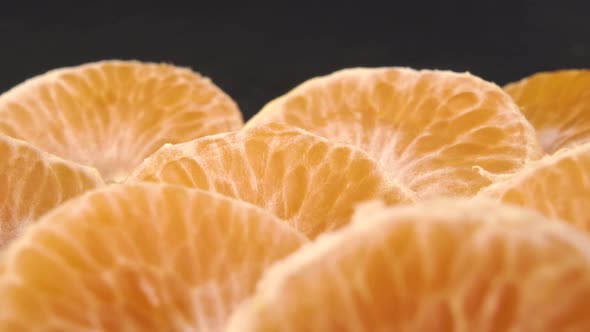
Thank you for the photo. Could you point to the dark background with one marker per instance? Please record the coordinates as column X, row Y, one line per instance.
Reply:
column 257, row 52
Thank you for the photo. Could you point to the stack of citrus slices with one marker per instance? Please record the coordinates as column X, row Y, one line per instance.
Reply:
column 134, row 198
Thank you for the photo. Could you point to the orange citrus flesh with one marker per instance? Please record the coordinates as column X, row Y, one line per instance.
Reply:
column 308, row 181
column 142, row 257
column 557, row 104
column 112, row 114
column 438, row 132
column 447, row 265
column 557, row 186
column 32, row 182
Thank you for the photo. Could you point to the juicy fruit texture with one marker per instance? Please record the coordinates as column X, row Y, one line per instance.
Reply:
column 438, row 132
column 558, row 106
column 141, row 257
column 557, row 186
column 304, row 179
column 435, row 266
column 32, row 182
column 112, row 114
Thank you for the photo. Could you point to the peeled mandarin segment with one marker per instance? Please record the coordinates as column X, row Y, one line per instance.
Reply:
column 557, row 186
column 142, row 257
column 438, row 132
column 446, row 265
column 308, row 181
column 558, row 106
column 32, row 182
column 113, row 114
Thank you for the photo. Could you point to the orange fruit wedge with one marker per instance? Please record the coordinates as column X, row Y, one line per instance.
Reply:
column 438, row 132
column 445, row 265
column 32, row 182
column 557, row 103
column 112, row 114
column 142, row 257
column 557, row 186
column 308, row 181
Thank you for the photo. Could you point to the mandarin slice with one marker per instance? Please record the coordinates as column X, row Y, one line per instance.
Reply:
column 308, row 181
column 141, row 257
column 557, row 186
column 438, row 132
column 445, row 265
column 112, row 114
column 557, row 104
column 32, row 182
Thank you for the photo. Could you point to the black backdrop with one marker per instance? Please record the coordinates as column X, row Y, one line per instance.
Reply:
column 257, row 52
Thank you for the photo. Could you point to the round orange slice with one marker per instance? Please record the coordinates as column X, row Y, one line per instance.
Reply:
column 557, row 103
column 557, row 186
column 112, row 114
column 450, row 265
column 33, row 182
column 142, row 257
column 438, row 132
column 308, row 181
